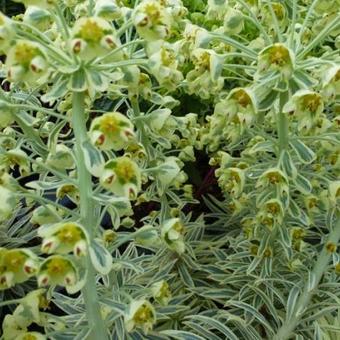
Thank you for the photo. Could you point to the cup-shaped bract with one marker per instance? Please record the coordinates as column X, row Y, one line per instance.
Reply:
column 107, row 9
column 26, row 62
column 161, row 292
column 61, row 157
column 141, row 314
column 16, row 266
column 58, row 270
column 273, row 177
column 7, row 32
column 8, row 203
column 276, row 58
column 63, row 238
column 45, row 214
column 172, row 233
column 111, row 131
column 93, row 37
column 122, row 176
column 231, row 180
column 152, row 20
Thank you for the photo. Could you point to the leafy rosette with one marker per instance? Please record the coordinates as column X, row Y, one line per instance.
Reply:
column 63, row 238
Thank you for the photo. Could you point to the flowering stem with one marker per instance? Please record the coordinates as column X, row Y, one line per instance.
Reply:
column 320, row 267
column 88, row 217
column 282, row 123
column 10, row 302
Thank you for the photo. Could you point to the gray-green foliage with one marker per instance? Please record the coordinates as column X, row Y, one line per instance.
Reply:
column 108, row 108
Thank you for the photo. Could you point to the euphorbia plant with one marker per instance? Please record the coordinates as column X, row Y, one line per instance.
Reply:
column 107, row 110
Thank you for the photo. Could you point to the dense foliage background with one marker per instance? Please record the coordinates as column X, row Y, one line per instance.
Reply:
column 170, row 169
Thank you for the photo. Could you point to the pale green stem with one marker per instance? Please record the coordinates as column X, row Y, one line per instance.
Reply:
column 282, row 124
column 252, row 17
column 292, row 26
column 139, row 62
column 323, row 34
column 140, row 125
column 91, row 7
column 124, row 27
column 88, row 217
column 10, row 302
column 31, row 134
column 63, row 22
column 321, row 265
column 45, row 201
column 38, row 109
column 235, row 44
column 305, row 21
column 276, row 23
column 120, row 48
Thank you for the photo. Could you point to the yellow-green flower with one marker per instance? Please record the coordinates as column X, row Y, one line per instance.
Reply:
column 164, row 65
column 276, row 57
column 61, row 157
column 331, row 82
column 141, row 314
column 271, row 213
column 69, row 190
column 63, row 238
column 12, row 158
column 94, row 37
column 172, row 233
column 45, row 214
column 26, row 62
column 58, row 270
column 334, row 192
column 16, row 266
column 152, row 20
column 111, row 131
column 161, row 292
column 306, row 107
column 15, row 326
column 273, row 177
column 122, row 176
column 8, row 203
column 6, row 32
column 231, row 180
column 205, row 79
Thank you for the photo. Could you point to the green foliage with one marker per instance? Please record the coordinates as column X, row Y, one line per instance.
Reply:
column 170, row 169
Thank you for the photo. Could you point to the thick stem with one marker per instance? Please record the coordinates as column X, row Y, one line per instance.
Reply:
column 320, row 266
column 282, row 124
column 88, row 218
